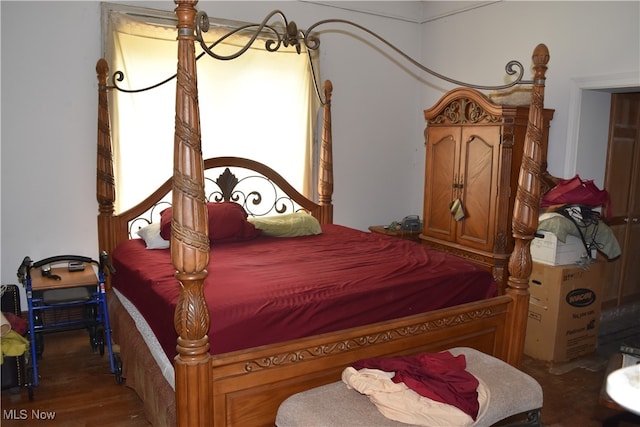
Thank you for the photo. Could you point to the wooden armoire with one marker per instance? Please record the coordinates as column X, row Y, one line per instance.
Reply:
column 473, row 155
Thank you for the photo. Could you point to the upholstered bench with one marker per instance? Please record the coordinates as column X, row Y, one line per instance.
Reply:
column 511, row 392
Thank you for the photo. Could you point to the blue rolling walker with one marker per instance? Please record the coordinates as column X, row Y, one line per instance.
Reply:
column 64, row 288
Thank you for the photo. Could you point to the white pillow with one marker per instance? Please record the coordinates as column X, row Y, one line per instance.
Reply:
column 151, row 236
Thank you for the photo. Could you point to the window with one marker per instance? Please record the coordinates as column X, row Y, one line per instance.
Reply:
column 260, row 106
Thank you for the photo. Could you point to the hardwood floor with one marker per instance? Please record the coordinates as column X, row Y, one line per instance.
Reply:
column 572, row 390
column 78, row 389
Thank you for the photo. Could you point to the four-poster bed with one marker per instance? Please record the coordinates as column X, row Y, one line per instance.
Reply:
column 245, row 386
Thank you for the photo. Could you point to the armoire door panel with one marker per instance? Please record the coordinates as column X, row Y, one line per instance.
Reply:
column 440, row 189
column 479, row 164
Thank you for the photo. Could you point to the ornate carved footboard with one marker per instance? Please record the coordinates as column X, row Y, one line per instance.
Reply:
column 249, row 386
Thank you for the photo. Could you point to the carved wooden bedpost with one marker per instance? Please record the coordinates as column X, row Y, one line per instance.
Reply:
column 325, row 181
column 105, row 182
column 526, row 211
column 189, row 241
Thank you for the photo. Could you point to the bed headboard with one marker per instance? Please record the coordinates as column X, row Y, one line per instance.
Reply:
column 225, row 178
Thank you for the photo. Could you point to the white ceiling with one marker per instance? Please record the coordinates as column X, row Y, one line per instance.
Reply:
column 411, row 11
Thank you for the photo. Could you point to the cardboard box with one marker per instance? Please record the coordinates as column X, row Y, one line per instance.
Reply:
column 550, row 250
column 564, row 311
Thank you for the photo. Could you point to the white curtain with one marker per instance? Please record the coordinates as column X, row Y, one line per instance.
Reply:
column 261, row 105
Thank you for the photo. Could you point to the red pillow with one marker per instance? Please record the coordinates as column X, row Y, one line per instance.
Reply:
column 227, row 223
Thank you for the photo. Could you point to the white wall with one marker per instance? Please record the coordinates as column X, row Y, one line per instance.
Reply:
column 48, row 131
column 593, row 133
column 49, row 102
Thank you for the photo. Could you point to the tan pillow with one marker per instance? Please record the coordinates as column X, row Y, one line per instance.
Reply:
column 288, row 225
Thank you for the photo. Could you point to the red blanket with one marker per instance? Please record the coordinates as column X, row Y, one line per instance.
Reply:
column 438, row 376
column 271, row 289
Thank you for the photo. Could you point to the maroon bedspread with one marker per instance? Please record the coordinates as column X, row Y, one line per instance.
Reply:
column 274, row 289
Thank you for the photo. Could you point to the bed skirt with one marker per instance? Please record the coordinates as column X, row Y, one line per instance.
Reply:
column 139, row 368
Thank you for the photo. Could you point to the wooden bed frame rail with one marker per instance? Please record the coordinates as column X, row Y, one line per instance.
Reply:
column 245, row 387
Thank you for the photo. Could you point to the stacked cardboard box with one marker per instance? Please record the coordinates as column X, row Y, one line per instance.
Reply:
column 564, row 311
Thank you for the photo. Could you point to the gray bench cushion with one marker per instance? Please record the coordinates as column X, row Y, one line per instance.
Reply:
column 511, row 392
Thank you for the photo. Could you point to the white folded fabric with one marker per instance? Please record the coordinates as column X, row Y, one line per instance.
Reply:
column 398, row 402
